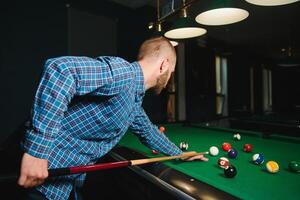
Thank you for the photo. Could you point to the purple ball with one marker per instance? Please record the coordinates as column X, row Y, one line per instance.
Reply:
column 232, row 153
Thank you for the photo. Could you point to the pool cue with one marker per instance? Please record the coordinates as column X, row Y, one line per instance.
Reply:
column 88, row 168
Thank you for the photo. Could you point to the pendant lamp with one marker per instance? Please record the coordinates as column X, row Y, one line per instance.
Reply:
column 221, row 12
column 184, row 28
column 271, row 2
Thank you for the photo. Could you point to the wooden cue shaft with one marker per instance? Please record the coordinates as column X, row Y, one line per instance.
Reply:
column 125, row 163
column 164, row 158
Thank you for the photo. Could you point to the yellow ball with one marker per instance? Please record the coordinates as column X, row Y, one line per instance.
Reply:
column 272, row 166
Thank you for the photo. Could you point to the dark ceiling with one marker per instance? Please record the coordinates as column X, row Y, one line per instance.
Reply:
column 268, row 30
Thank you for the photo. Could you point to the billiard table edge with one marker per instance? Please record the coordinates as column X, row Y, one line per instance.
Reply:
column 180, row 185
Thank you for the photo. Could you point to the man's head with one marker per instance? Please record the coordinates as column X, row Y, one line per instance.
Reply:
column 157, row 57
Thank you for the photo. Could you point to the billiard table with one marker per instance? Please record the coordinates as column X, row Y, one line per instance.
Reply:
column 206, row 180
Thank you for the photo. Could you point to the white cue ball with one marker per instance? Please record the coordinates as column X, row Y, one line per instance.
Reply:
column 214, row 151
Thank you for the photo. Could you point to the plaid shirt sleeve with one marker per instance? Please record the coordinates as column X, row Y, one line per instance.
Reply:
column 150, row 135
column 62, row 78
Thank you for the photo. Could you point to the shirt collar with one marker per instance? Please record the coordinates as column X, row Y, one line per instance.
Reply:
column 139, row 77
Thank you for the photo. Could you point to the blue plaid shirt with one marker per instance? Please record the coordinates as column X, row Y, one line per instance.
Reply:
column 82, row 108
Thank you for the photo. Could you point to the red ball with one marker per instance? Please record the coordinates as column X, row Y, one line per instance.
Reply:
column 162, row 129
column 248, row 147
column 226, row 146
column 155, row 152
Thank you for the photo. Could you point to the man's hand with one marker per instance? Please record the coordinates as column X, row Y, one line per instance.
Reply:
column 197, row 157
column 34, row 171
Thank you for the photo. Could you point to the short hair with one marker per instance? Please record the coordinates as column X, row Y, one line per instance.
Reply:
column 154, row 47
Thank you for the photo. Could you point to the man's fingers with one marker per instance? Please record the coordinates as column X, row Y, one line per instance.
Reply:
column 28, row 182
column 33, row 183
column 204, row 158
column 198, row 157
column 37, row 182
column 22, row 180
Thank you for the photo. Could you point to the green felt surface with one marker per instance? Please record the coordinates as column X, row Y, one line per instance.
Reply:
column 252, row 181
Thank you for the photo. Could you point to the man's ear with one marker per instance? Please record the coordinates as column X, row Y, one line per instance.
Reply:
column 164, row 65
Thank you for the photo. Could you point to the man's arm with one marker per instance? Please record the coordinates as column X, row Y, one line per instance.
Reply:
column 150, row 135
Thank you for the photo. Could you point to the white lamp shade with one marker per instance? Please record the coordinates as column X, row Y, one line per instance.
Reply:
column 271, row 2
column 222, row 16
column 183, row 33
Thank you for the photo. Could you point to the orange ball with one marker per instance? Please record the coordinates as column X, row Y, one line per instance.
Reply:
column 162, row 129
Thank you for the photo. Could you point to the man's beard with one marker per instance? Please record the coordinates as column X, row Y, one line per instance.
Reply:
column 162, row 81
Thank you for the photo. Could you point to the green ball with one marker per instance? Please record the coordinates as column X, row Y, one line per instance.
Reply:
column 294, row 166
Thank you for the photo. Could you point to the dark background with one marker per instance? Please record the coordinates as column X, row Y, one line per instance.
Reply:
column 33, row 31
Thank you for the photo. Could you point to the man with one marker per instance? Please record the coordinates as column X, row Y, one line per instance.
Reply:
column 84, row 106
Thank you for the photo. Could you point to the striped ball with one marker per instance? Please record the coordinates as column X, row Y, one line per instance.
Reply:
column 258, row 158
column 184, row 146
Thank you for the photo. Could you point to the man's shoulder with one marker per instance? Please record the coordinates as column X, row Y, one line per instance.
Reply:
column 113, row 59
column 118, row 63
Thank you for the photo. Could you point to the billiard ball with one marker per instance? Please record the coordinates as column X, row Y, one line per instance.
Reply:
column 214, row 151
column 230, row 171
column 248, row 147
column 294, row 166
column 272, row 166
column 223, row 162
column 154, row 152
column 162, row 129
column 226, row 146
column 258, row 158
column 232, row 153
column 237, row 136
column 184, row 146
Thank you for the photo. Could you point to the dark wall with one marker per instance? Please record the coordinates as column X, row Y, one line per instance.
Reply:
column 30, row 33
column 200, row 83
column 286, row 90
column 285, row 82
column 90, row 34
column 34, row 31
column 131, row 23
column 239, row 82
